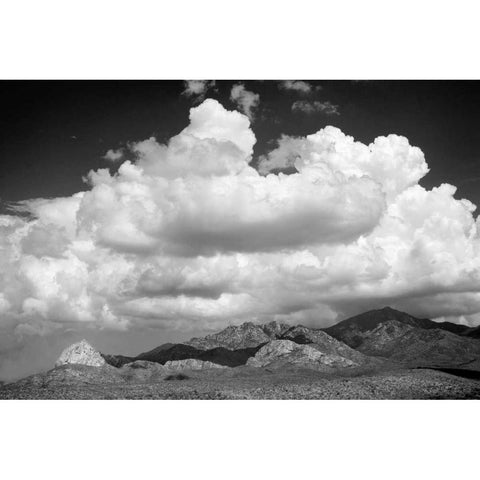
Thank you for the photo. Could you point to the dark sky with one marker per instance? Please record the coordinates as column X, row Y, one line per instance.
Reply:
column 53, row 132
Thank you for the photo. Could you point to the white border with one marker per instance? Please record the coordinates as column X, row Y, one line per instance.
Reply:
column 258, row 40
column 341, row 39
column 239, row 439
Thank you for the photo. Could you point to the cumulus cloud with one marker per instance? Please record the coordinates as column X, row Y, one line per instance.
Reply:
column 390, row 161
column 246, row 100
column 197, row 89
column 113, row 155
column 296, row 85
column 311, row 107
column 188, row 236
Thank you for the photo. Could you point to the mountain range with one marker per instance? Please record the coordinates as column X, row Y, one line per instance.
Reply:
column 367, row 339
column 412, row 341
column 379, row 354
column 353, row 329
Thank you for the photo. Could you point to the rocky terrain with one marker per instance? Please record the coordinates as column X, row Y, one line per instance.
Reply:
column 325, row 343
column 83, row 382
column 410, row 341
column 379, row 354
column 280, row 353
column 243, row 336
column 419, row 347
column 80, row 353
column 352, row 330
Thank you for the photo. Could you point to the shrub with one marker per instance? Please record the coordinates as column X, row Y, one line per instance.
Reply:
column 177, row 376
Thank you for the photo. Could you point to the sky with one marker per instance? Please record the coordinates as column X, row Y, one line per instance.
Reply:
column 137, row 212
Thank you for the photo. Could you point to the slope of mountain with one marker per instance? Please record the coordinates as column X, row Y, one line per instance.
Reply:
column 229, row 358
column 281, row 353
column 354, row 330
column 242, row 336
column 178, row 351
column 158, row 350
column 73, row 374
column 472, row 332
column 420, row 347
column 120, row 360
column 403, row 338
column 220, row 355
column 323, row 342
column 117, row 360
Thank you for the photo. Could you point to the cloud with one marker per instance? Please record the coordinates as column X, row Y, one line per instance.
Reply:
column 296, row 85
column 244, row 99
column 390, row 161
column 114, row 155
column 311, row 107
column 198, row 195
column 187, row 236
column 197, row 89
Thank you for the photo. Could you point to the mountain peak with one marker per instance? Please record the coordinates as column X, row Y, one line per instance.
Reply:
column 80, row 353
column 389, row 309
column 372, row 318
column 355, row 330
column 245, row 335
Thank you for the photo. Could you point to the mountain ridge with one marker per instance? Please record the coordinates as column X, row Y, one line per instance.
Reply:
column 369, row 320
column 362, row 339
column 400, row 337
column 235, row 337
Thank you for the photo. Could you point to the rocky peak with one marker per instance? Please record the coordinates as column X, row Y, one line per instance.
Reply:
column 236, row 337
column 81, row 353
column 275, row 329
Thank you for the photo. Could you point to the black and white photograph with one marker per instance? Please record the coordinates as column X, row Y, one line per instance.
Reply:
column 239, row 240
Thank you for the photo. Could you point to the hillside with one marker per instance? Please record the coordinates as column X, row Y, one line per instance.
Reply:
column 411, row 341
column 285, row 353
column 246, row 335
column 219, row 355
column 323, row 342
column 354, row 330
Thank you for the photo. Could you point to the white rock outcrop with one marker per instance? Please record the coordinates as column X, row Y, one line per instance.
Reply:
column 81, row 353
column 191, row 364
column 281, row 352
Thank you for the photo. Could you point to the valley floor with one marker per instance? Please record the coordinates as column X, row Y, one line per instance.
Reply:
column 248, row 383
